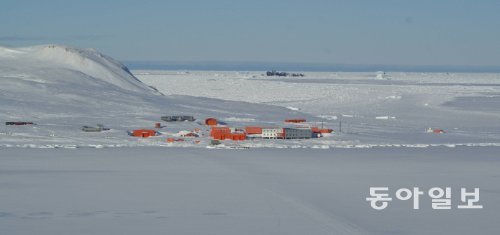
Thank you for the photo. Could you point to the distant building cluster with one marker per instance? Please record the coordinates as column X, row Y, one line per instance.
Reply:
column 283, row 74
column 177, row 118
column 218, row 131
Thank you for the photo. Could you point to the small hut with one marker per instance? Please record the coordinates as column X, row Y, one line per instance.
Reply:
column 144, row 133
column 295, row 120
column 211, row 122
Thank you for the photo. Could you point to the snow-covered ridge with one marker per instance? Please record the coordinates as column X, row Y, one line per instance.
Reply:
column 86, row 61
column 52, row 81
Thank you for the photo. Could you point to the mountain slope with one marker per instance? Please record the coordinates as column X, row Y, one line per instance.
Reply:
column 56, row 80
column 86, row 61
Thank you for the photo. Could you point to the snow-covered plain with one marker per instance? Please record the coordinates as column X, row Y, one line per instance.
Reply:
column 316, row 186
column 148, row 190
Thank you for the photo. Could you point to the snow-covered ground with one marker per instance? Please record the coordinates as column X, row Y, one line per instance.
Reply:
column 150, row 190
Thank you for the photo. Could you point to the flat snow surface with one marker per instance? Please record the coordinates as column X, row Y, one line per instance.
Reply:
column 258, row 191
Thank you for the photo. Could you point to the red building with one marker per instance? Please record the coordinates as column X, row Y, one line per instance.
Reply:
column 211, row 122
column 144, row 133
column 295, row 120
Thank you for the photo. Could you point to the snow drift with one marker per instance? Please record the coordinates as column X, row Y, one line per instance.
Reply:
column 88, row 62
column 55, row 80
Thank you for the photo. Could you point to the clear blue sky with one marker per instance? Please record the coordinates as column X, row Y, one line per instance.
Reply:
column 395, row 32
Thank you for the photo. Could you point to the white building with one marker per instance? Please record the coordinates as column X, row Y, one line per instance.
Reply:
column 272, row 133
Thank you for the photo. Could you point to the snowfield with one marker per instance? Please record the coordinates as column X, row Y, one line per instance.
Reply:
column 57, row 179
column 149, row 190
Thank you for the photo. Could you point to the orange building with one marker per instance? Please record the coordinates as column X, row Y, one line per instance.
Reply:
column 238, row 136
column 144, row 133
column 219, row 130
column 224, row 133
column 322, row 131
column 295, row 120
column 253, row 130
column 211, row 122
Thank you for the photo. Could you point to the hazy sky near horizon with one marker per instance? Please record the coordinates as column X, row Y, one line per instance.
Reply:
column 395, row 32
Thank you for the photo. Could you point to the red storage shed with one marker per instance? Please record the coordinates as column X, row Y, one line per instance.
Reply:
column 238, row 136
column 295, row 120
column 211, row 122
column 144, row 133
column 253, row 130
column 219, row 130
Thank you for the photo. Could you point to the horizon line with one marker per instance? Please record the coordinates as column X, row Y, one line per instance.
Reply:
column 297, row 66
